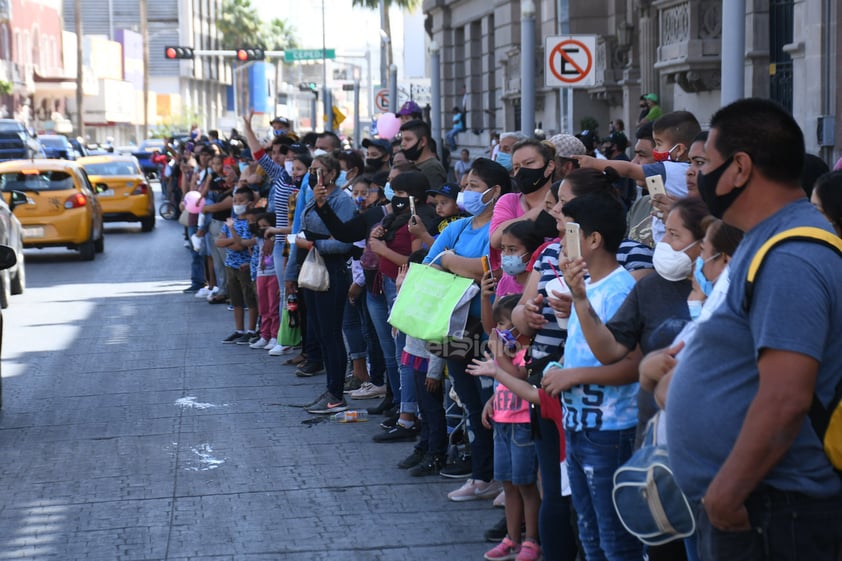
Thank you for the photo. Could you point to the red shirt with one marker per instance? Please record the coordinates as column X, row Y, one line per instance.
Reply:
column 551, row 409
column 402, row 244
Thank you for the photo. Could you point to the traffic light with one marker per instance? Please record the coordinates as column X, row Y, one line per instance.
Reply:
column 250, row 54
column 175, row 53
column 307, row 86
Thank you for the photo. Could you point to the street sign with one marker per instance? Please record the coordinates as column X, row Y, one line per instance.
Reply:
column 569, row 61
column 381, row 100
column 347, row 87
column 295, row 55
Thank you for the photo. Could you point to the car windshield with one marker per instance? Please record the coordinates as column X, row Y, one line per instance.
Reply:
column 112, row 168
column 54, row 142
column 36, row 180
column 148, row 145
column 10, row 127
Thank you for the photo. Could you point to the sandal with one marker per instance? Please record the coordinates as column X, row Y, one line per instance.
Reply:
column 298, row 359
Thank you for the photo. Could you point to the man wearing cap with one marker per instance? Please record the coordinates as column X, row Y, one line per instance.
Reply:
column 280, row 126
column 655, row 111
column 614, row 148
column 378, row 152
column 566, row 146
column 409, row 111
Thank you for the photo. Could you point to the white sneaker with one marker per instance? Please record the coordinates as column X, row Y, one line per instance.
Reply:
column 212, row 292
column 259, row 344
column 271, row 344
column 368, row 391
column 277, row 350
column 202, row 292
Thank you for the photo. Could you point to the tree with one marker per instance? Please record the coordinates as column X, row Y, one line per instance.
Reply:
column 384, row 17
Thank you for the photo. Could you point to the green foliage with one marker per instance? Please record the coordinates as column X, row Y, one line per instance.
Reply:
column 175, row 124
column 589, row 124
column 5, row 87
column 375, row 4
column 242, row 26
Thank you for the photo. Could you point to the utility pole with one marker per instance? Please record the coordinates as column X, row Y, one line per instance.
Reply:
column 435, row 97
column 527, row 68
column 144, row 31
column 80, row 94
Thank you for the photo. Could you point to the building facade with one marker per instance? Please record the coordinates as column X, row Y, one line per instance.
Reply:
column 669, row 47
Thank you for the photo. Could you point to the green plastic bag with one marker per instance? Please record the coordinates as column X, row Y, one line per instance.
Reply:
column 432, row 305
column 288, row 336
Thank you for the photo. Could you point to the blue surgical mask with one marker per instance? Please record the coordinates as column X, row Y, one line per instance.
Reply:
column 505, row 160
column 512, row 265
column 471, row 202
column 342, row 180
column 242, row 166
column 359, row 201
column 695, row 307
column 699, row 274
column 388, row 192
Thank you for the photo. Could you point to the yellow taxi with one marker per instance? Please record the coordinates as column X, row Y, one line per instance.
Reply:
column 122, row 189
column 56, row 205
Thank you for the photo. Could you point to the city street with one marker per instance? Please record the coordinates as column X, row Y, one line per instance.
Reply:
column 129, row 432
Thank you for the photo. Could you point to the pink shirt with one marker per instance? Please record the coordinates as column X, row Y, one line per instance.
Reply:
column 506, row 208
column 508, row 407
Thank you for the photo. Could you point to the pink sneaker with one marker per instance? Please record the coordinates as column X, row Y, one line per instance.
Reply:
column 506, row 550
column 529, row 551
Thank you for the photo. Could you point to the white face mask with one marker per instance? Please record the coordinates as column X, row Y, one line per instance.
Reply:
column 288, row 167
column 672, row 265
column 240, row 209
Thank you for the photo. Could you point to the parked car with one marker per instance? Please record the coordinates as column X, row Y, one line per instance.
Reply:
column 8, row 259
column 79, row 147
column 56, row 204
column 144, row 153
column 57, row 146
column 17, row 143
column 12, row 279
column 122, row 189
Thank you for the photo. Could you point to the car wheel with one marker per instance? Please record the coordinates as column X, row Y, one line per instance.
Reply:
column 18, row 283
column 5, row 289
column 99, row 244
column 87, row 251
column 147, row 224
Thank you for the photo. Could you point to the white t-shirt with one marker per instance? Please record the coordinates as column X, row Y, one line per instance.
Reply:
column 675, row 183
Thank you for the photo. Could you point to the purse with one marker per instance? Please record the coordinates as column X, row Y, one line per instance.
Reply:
column 313, row 274
column 646, row 496
column 184, row 218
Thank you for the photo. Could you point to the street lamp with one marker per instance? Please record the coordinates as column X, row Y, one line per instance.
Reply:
column 527, row 67
column 435, row 94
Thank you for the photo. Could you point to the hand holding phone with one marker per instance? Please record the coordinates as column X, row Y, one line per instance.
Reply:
column 655, row 185
column 572, row 241
column 411, row 205
column 319, row 176
column 486, row 266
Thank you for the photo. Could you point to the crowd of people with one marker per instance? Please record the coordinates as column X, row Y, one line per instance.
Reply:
column 602, row 300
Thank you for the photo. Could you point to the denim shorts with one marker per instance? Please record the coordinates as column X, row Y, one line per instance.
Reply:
column 515, row 459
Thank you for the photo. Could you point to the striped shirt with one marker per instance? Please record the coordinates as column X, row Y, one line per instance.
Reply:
column 282, row 188
column 634, row 256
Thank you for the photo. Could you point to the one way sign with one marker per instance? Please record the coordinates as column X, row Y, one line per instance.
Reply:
column 569, row 61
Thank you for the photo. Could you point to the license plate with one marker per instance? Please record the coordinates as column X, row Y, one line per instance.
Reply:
column 32, row 232
column 107, row 193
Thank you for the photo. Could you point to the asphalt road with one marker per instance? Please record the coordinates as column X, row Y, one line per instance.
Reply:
column 128, row 432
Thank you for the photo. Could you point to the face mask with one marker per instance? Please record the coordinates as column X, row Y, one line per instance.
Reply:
column 254, row 229
column 359, row 201
column 412, row 154
column 699, row 274
column 505, row 160
column 240, row 209
column 707, row 183
column 509, row 339
column 243, row 166
column 399, row 204
column 288, row 167
column 663, row 156
column 672, row 265
column 342, row 180
column 512, row 265
column 388, row 192
column 279, row 132
column 546, row 226
column 471, row 202
column 695, row 307
column 530, row 180
column 373, row 164
column 319, row 152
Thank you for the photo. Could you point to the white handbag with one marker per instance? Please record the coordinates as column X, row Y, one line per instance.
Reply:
column 313, row 274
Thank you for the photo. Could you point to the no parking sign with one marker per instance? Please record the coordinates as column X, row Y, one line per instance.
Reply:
column 569, row 61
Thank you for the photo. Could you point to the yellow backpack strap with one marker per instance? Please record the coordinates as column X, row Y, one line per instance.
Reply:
column 803, row 233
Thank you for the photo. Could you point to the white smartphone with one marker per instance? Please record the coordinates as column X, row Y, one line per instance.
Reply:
column 411, row 205
column 655, row 185
column 572, row 241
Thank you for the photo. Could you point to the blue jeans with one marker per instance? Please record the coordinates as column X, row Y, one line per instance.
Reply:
column 554, row 523
column 786, row 526
column 433, row 425
column 197, row 262
column 592, row 458
column 473, row 393
column 451, row 137
column 378, row 309
column 408, row 401
column 327, row 309
column 362, row 339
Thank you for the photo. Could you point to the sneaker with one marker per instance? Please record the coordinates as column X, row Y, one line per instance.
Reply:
column 413, row 459
column 308, row 370
column 378, row 409
column 529, row 551
column 430, row 465
column 500, row 500
column 212, row 292
column 352, row 384
column 498, row 531
column 270, row 344
column 391, row 422
column 188, row 245
column 398, row 434
column 230, row 307
column 259, row 344
column 315, row 401
column 327, row 405
column 202, row 292
column 460, row 469
column 277, row 350
column 506, row 550
column 245, row 339
column 233, row 338
column 474, row 489
column 255, row 338
column 369, row 391
column 191, row 289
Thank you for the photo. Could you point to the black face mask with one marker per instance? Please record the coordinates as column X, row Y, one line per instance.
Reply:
column 254, row 229
column 314, row 180
column 530, row 180
column 717, row 204
column 373, row 164
column 412, row 154
column 546, row 226
column 399, row 204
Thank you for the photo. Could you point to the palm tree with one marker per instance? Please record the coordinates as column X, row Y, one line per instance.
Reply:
column 383, row 6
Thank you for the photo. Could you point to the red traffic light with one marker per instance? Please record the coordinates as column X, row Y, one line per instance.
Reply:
column 170, row 52
column 242, row 55
column 250, row 54
column 175, row 53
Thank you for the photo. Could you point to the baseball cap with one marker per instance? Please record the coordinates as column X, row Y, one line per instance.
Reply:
column 409, row 108
column 651, row 97
column 448, row 190
column 280, row 120
column 380, row 143
column 567, row 145
column 618, row 139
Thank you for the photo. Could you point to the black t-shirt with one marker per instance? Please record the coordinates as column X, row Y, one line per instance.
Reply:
column 217, row 185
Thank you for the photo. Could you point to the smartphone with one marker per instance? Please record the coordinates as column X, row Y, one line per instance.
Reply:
column 572, row 241
column 486, row 265
column 655, row 185
column 319, row 176
column 411, row 205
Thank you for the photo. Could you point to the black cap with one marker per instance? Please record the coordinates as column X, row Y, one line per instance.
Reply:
column 280, row 120
column 380, row 143
column 450, row 190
